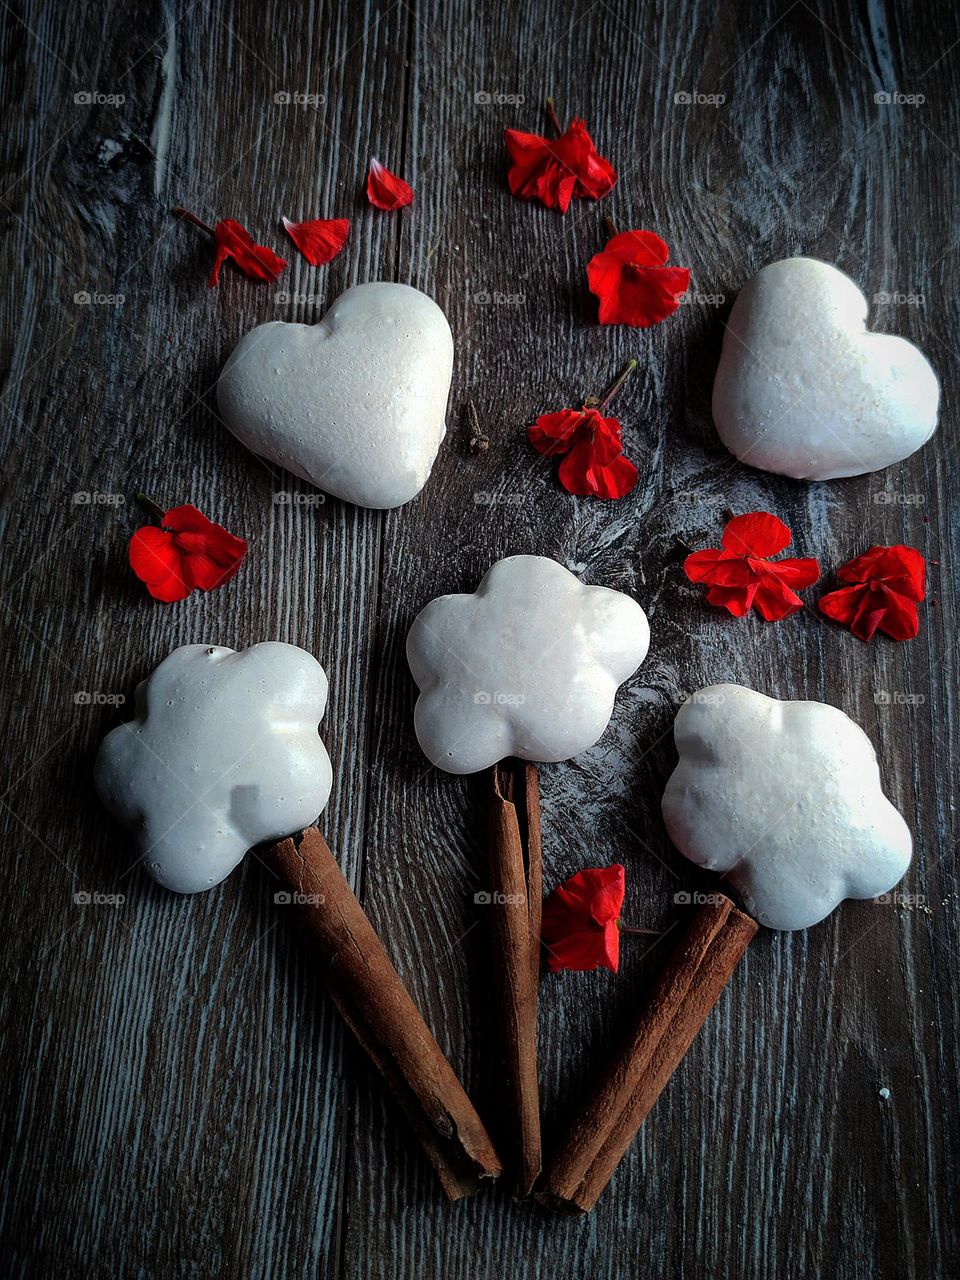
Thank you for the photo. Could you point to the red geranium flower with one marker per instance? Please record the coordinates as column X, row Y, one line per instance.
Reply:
column 580, row 926
column 555, row 170
column 385, row 190
column 320, row 239
column 741, row 577
column 633, row 283
column 594, row 465
column 188, row 552
column 889, row 582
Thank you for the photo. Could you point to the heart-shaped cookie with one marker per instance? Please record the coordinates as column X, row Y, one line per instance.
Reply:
column 805, row 390
column 354, row 404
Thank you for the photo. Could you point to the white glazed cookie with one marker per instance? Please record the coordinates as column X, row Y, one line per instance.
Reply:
column 805, row 390
column 354, row 404
column 528, row 665
column 223, row 753
column 784, row 800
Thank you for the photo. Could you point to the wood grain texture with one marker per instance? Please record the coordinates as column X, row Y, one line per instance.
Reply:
column 179, row 1097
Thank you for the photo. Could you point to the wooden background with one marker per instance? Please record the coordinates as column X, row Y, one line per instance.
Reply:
column 179, row 1098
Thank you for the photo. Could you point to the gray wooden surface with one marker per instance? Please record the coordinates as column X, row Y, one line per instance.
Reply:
column 179, row 1099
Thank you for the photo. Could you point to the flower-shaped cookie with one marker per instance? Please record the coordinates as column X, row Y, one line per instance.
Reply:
column 223, row 753
column 527, row 666
column 783, row 799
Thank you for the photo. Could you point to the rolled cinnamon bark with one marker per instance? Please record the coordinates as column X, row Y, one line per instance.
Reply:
column 381, row 1014
column 687, row 989
column 516, row 892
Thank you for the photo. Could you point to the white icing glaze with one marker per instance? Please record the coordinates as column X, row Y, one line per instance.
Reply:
column 803, row 389
column 223, row 753
column 784, row 799
column 354, row 404
column 528, row 665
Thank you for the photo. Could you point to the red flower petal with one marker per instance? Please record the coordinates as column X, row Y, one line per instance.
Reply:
column 553, row 433
column 793, row 573
column 579, row 925
column 188, row 552
column 385, row 190
column 584, row 474
column 633, row 285
column 718, row 567
column 756, row 534
column 736, row 600
column 320, row 239
column 902, row 568
column 156, row 562
column 774, row 601
column 254, row 260
column 555, row 171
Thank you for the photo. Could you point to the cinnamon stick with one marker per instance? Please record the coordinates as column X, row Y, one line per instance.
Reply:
column 689, row 986
column 516, row 893
column 381, row 1014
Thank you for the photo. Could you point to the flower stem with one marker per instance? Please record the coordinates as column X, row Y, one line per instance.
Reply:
column 192, row 217
column 553, row 118
column 154, row 508
column 616, row 385
column 626, row 928
column 611, row 226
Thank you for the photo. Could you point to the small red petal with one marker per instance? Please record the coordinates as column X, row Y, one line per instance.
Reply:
column 903, row 568
column 718, row 567
column 156, row 562
column 774, row 601
column 553, row 433
column 385, row 190
column 584, row 473
column 756, row 534
column 736, row 600
column 255, row 260
column 320, row 239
